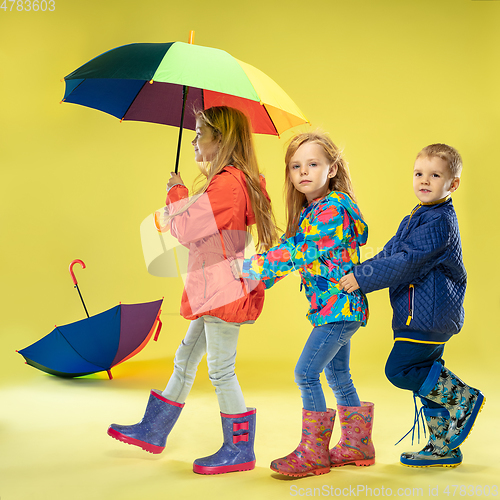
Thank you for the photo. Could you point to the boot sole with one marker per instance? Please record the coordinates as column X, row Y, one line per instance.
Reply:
column 455, row 443
column 223, row 469
column 316, row 472
column 357, row 463
column 150, row 448
column 430, row 465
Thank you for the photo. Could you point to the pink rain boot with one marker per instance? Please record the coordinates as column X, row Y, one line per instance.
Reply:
column 311, row 456
column 355, row 446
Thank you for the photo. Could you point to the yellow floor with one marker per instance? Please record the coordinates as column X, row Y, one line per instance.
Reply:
column 54, row 443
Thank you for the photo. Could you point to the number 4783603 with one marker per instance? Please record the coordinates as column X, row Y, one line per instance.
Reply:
column 28, row 5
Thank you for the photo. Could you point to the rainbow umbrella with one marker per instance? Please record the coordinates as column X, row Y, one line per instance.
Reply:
column 95, row 343
column 156, row 82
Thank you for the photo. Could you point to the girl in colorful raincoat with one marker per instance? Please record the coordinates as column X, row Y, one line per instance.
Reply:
column 324, row 232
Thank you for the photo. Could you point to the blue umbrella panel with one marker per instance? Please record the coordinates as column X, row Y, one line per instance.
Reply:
column 97, row 343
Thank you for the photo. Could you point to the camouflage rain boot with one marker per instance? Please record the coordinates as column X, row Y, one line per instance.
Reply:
column 463, row 402
column 436, row 453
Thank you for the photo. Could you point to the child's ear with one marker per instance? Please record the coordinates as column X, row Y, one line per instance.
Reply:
column 454, row 185
column 333, row 171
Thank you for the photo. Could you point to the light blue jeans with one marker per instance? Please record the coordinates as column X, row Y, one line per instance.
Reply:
column 327, row 348
column 218, row 339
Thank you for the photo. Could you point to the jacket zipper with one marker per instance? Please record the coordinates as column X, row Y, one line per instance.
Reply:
column 205, row 279
column 412, row 213
column 411, row 303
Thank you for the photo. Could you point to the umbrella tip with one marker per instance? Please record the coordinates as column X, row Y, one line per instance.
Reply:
column 191, row 36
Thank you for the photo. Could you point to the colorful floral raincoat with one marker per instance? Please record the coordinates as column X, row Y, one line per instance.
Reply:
column 325, row 248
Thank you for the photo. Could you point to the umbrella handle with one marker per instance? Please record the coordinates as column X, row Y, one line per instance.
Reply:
column 76, row 261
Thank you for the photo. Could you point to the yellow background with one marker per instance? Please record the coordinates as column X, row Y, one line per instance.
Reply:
column 384, row 78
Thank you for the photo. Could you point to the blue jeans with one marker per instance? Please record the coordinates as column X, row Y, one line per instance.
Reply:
column 327, row 348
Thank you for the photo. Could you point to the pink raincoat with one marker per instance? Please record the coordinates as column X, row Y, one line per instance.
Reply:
column 214, row 229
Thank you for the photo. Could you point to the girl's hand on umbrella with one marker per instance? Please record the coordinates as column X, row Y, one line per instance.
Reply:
column 174, row 180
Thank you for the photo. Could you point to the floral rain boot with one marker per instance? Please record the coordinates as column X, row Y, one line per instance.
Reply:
column 355, row 446
column 236, row 453
column 463, row 402
column 151, row 432
column 311, row 456
column 436, row 453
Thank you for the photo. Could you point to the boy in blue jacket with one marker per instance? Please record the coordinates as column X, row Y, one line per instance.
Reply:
column 423, row 269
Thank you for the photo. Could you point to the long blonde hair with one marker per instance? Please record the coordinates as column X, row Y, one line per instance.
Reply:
column 295, row 201
column 236, row 148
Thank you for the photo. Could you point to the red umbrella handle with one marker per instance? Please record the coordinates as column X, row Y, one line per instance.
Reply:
column 160, row 324
column 76, row 261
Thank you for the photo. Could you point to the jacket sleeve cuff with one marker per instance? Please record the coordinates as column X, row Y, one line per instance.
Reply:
column 180, row 192
column 247, row 272
column 363, row 273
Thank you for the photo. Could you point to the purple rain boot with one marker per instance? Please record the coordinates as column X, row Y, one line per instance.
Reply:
column 151, row 432
column 463, row 402
column 236, row 453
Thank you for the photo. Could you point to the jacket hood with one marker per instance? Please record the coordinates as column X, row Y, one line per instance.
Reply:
column 240, row 176
column 360, row 226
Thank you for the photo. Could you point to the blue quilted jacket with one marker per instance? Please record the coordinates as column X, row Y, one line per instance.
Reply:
column 423, row 269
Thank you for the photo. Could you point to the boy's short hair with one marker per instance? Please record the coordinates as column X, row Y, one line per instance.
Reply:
column 445, row 152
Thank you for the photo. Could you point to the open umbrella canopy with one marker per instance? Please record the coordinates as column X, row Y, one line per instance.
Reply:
column 145, row 82
column 96, row 343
